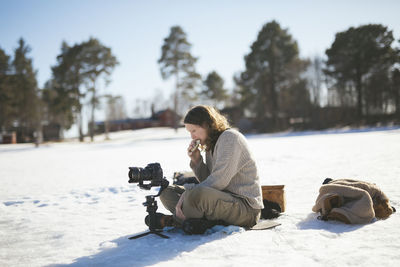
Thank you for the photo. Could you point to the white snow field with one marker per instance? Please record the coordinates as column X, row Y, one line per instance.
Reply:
column 70, row 204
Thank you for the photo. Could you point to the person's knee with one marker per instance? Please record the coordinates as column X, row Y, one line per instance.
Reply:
column 196, row 195
column 166, row 194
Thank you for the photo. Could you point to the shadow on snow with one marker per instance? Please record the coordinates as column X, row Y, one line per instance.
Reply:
column 312, row 223
column 151, row 249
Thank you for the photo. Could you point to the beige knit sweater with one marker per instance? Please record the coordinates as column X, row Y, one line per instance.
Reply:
column 230, row 168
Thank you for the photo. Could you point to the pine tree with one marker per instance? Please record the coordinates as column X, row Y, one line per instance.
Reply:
column 214, row 88
column 355, row 57
column 26, row 93
column 272, row 65
column 63, row 93
column 176, row 60
column 98, row 61
column 79, row 67
column 7, row 111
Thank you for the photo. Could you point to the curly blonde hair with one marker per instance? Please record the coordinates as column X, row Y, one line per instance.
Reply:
column 210, row 119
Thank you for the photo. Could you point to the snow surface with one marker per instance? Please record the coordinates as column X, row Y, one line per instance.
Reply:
column 70, row 204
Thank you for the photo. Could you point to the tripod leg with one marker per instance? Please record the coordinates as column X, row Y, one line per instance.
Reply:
column 147, row 233
column 140, row 235
column 161, row 235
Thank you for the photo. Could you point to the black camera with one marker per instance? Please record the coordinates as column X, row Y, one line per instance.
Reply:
column 152, row 172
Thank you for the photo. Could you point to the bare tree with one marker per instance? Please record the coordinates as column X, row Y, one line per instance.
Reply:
column 316, row 80
column 115, row 110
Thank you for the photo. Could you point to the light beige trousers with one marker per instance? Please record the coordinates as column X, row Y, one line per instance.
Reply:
column 210, row 203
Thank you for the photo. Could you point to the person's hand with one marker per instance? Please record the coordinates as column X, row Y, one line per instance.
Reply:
column 194, row 155
column 178, row 208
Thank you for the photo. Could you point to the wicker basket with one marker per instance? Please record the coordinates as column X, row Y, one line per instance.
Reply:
column 275, row 193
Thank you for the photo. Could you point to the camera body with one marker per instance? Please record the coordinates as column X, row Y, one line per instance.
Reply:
column 152, row 173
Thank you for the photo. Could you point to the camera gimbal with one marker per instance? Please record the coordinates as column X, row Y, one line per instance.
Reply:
column 152, row 207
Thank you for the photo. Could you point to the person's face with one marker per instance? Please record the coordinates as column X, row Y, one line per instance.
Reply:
column 197, row 132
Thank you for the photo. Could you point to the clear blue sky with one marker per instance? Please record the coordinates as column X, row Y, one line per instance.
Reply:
column 220, row 31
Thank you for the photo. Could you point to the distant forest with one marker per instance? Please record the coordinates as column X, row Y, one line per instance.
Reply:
column 356, row 83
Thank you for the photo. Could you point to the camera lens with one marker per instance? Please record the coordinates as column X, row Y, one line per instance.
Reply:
column 134, row 174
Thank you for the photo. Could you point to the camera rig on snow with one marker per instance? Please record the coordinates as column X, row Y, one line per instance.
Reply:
column 153, row 174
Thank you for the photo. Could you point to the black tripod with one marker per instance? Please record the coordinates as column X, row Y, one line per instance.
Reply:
column 152, row 207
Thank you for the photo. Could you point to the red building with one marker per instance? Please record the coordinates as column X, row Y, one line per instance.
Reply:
column 164, row 118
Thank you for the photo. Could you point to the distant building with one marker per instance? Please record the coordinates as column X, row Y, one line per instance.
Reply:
column 52, row 131
column 8, row 138
column 20, row 134
column 163, row 118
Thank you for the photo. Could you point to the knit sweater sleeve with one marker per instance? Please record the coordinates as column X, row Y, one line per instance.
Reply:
column 227, row 153
column 200, row 170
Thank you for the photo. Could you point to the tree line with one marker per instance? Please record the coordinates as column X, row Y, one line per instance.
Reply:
column 356, row 82
column 25, row 108
column 278, row 90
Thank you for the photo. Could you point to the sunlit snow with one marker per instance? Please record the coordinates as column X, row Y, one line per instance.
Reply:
column 70, row 203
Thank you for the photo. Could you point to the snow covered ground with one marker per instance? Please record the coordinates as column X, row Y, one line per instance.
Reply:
column 71, row 204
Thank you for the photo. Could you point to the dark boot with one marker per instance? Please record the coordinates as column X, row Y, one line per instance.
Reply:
column 160, row 221
column 271, row 210
column 199, row 226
